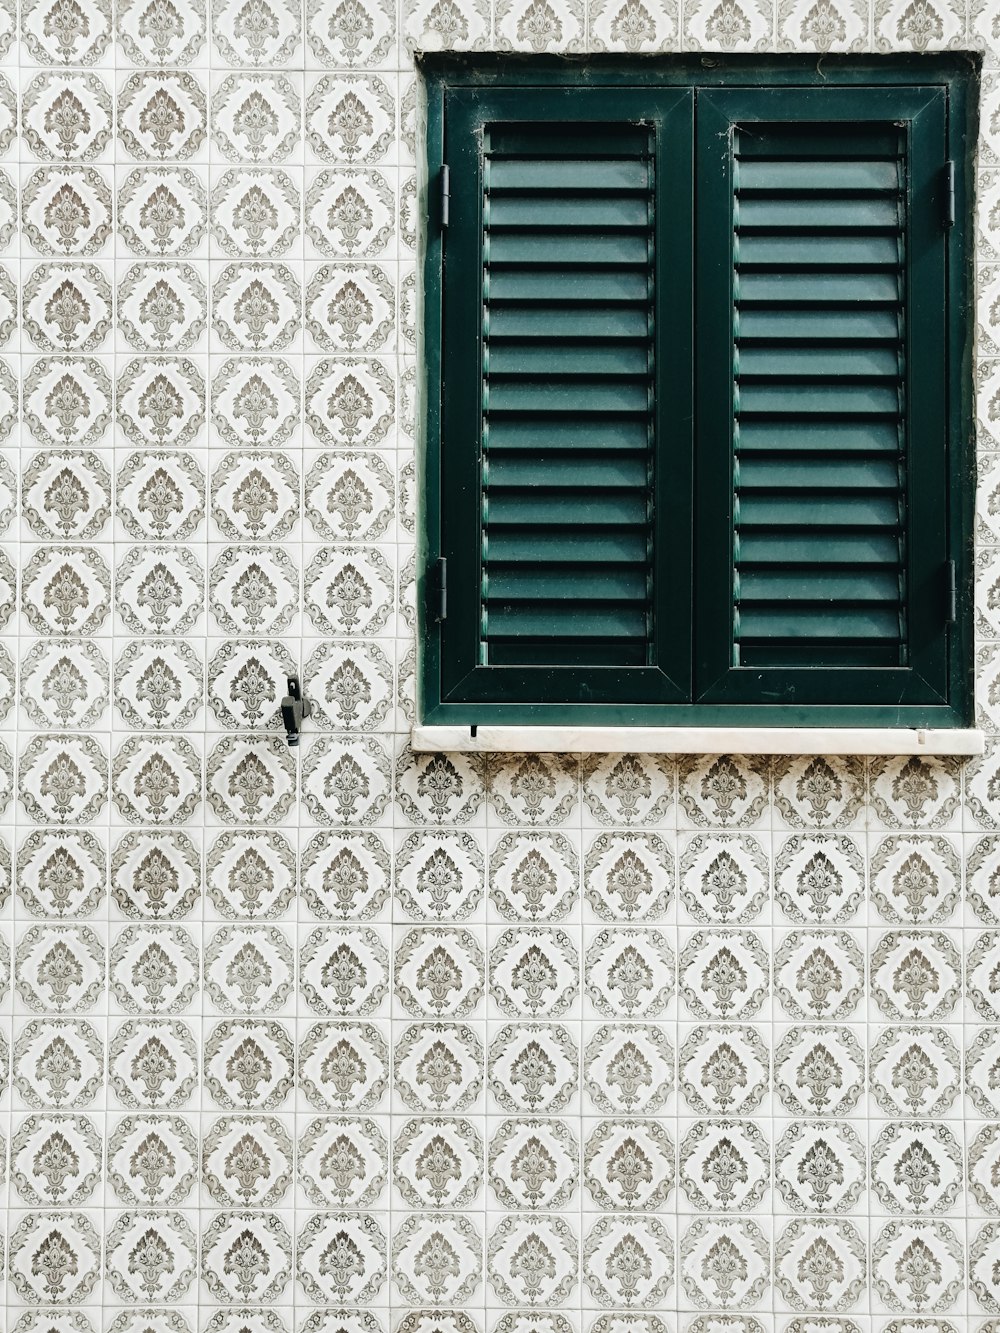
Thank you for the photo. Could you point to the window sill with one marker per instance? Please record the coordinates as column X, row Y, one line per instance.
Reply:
column 700, row 740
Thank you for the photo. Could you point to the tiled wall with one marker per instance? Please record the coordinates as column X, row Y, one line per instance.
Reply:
column 345, row 1040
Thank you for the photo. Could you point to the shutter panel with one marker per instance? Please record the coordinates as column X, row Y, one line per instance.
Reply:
column 820, row 410
column 567, row 405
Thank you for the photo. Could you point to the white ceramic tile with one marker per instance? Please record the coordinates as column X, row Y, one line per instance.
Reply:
column 371, row 1037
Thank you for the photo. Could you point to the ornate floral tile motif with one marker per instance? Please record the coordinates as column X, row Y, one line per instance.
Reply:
column 354, row 1040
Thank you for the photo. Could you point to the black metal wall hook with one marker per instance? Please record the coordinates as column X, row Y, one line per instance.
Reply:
column 293, row 709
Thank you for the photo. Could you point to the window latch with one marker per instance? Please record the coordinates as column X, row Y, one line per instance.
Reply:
column 445, row 195
column 293, row 709
column 948, row 195
column 439, row 590
column 950, row 593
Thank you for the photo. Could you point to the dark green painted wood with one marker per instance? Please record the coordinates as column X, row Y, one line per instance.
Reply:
column 795, row 216
column 555, row 222
column 555, row 581
column 805, row 637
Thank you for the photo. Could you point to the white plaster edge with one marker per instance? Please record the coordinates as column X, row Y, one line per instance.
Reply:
column 700, row 740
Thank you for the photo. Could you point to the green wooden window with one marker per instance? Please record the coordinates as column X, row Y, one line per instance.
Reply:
column 698, row 392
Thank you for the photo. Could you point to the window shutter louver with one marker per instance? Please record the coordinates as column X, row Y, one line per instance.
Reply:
column 820, row 439
column 567, row 347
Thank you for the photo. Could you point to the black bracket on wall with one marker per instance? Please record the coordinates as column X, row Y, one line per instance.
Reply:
column 293, row 709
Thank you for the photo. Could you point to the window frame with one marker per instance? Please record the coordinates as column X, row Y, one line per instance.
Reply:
column 478, row 78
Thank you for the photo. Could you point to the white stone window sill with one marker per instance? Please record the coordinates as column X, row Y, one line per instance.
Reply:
column 700, row 740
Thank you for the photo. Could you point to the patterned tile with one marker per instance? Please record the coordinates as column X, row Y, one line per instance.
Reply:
column 346, row 1039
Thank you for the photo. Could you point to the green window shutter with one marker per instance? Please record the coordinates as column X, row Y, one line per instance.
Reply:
column 558, row 478
column 698, row 404
column 824, row 311
column 819, row 396
column 568, row 392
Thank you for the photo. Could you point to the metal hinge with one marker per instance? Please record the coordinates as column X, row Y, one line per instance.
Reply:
column 445, row 196
column 950, row 592
column 948, row 194
column 439, row 590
